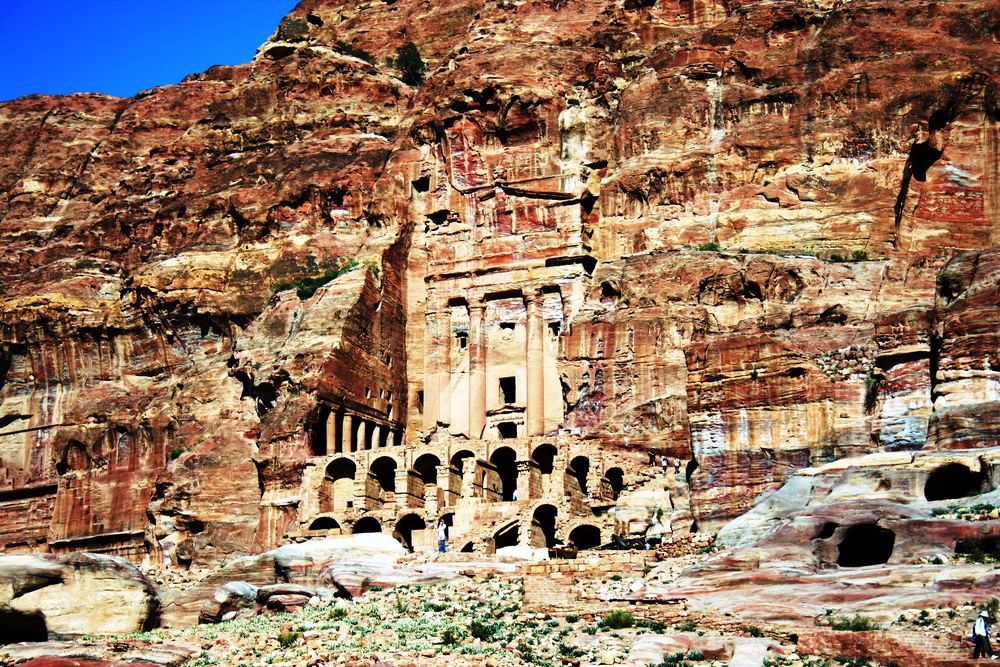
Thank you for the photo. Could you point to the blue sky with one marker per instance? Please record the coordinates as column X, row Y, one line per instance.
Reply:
column 123, row 46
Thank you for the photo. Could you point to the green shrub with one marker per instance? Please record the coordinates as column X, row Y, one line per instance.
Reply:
column 859, row 256
column 410, row 63
column 687, row 627
column 572, row 618
column 753, row 631
column 485, row 630
column 616, row 577
column 857, row 623
column 337, row 613
column 287, row 639
column 711, row 246
column 350, row 50
column 618, row 619
column 451, row 636
column 675, row 660
column 305, row 287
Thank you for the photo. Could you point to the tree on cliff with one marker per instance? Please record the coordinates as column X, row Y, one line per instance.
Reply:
column 410, row 63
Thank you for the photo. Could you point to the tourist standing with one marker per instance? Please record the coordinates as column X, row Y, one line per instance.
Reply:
column 981, row 637
column 442, row 535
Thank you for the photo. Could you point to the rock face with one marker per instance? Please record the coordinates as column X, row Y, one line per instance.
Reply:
column 73, row 595
column 299, row 297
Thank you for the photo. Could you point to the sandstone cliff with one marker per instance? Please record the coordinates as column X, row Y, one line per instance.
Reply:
column 599, row 228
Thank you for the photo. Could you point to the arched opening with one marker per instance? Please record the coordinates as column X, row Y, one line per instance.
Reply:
column 426, row 467
column 865, row 544
column 543, row 523
column 459, row 457
column 586, row 537
column 75, row 458
column 616, row 478
column 17, row 626
column 544, row 457
column 324, row 523
column 338, row 492
column 954, row 480
column 406, row 527
column 467, row 549
column 367, row 524
column 504, row 483
column 383, row 471
column 318, row 444
column 506, row 536
column 579, row 468
column 689, row 469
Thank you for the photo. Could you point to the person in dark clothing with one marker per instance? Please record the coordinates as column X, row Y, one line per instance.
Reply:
column 981, row 637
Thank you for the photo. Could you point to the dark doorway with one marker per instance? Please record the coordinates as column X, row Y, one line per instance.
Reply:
column 505, row 537
column 324, row 523
column 384, row 472
column 16, row 626
column 317, row 438
column 865, row 544
column 953, row 480
column 544, row 519
column 616, row 478
column 406, row 526
column 426, row 466
column 579, row 468
column 545, row 456
column 586, row 537
column 508, row 390
column 504, row 460
column 367, row 525
column 507, row 430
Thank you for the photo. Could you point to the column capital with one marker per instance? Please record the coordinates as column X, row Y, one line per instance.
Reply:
column 476, row 302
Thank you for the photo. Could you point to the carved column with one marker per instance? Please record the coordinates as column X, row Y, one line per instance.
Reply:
column 477, row 369
column 332, row 445
column 346, row 429
column 523, row 480
column 432, row 397
column 535, row 413
column 444, row 363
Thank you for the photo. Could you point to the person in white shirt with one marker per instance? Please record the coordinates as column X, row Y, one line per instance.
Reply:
column 442, row 535
column 981, row 637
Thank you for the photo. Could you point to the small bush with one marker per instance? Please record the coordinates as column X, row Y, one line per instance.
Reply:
column 687, row 627
column 484, row 630
column 753, row 631
column 859, row 256
column 451, row 636
column 305, row 287
column 711, row 246
column 287, row 639
column 616, row 577
column 410, row 63
column 857, row 623
column 338, row 613
column 350, row 50
column 572, row 618
column 618, row 619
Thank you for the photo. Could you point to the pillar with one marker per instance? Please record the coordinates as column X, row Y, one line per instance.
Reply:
column 379, row 433
column 444, row 363
column 432, row 396
column 477, row 369
column 332, row 446
column 346, row 429
column 535, row 343
column 523, row 480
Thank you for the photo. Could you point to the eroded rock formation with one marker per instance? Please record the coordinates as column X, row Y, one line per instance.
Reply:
column 599, row 233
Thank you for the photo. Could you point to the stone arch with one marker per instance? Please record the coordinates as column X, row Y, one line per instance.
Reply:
column 503, row 481
column 406, row 526
column 616, row 480
column 326, row 523
column 953, row 480
column 383, row 471
column 337, row 494
column 579, row 469
column 367, row 524
column 543, row 460
column 585, row 536
column 506, row 536
column 865, row 544
column 458, row 458
column 426, row 466
column 543, row 526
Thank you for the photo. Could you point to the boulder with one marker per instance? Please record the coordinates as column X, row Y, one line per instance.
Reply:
column 94, row 654
column 237, row 599
column 74, row 594
column 357, row 577
column 300, row 563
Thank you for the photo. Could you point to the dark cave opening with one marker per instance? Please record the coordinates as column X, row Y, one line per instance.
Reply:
column 865, row 544
column 16, row 626
column 954, row 480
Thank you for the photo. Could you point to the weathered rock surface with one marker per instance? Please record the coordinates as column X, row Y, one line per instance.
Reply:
column 92, row 654
column 635, row 210
column 74, row 594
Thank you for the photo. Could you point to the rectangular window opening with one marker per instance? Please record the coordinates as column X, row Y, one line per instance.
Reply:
column 508, row 390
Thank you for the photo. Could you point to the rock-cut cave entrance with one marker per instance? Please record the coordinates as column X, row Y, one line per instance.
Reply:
column 865, row 544
column 954, row 480
column 16, row 626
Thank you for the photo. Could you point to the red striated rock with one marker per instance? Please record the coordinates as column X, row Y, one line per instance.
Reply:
column 174, row 389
